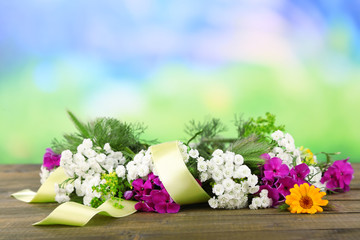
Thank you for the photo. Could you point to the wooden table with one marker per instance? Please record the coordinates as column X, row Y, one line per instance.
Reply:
column 342, row 221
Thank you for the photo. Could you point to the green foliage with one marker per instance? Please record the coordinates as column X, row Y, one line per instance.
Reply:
column 251, row 141
column 207, row 134
column 113, row 188
column 283, row 207
column 120, row 135
column 261, row 127
column 251, row 149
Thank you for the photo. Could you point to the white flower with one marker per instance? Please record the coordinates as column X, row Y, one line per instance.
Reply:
column 138, row 157
column 252, row 180
column 253, row 189
column 237, row 188
column 228, row 172
column 266, row 202
column 61, row 198
column 81, row 148
column 218, row 160
column 87, row 199
column 256, row 202
column 289, row 139
column 264, row 193
column 132, row 174
column 204, row 176
column 228, row 184
column 44, row 174
column 193, row 153
column 217, row 152
column 213, row 202
column 253, row 207
column 66, row 154
column 218, row 189
column 217, row 175
column 89, row 153
column 107, row 148
column 239, row 160
column 78, row 158
column 229, row 156
column 84, row 166
column 277, row 135
column 143, row 170
column 100, row 158
column 120, row 171
column 243, row 171
column 87, row 143
column 69, row 188
column 202, row 166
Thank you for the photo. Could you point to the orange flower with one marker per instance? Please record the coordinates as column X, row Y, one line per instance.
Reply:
column 305, row 199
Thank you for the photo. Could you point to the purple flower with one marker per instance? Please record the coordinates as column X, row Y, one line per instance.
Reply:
column 299, row 173
column 274, row 168
column 338, row 176
column 51, row 159
column 141, row 188
column 155, row 180
column 128, row 195
column 163, row 203
column 144, row 207
column 284, row 185
column 273, row 193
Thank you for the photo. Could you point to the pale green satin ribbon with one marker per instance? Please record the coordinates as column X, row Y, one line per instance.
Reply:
column 76, row 214
column 46, row 192
column 170, row 166
column 173, row 173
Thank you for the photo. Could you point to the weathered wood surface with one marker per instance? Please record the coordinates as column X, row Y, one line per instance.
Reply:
column 341, row 221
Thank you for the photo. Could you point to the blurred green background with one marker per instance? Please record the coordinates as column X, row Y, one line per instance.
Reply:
column 165, row 63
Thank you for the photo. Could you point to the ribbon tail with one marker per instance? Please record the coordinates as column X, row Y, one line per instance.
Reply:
column 46, row 192
column 76, row 214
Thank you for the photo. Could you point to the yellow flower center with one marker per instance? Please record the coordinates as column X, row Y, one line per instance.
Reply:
column 306, row 202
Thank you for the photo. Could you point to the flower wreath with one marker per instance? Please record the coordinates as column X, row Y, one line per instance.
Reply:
column 105, row 167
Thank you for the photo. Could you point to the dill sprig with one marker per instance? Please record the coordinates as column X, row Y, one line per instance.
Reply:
column 121, row 136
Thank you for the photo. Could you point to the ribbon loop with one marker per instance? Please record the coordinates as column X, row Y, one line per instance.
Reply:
column 173, row 173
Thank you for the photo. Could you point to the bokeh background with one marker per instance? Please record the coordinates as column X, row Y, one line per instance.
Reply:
column 166, row 62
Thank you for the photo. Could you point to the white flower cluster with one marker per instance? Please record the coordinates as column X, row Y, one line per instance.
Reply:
column 141, row 166
column 261, row 202
column 233, row 180
column 85, row 168
column 286, row 149
column 314, row 178
column 45, row 173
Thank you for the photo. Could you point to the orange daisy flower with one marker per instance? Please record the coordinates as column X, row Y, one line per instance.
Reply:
column 305, row 199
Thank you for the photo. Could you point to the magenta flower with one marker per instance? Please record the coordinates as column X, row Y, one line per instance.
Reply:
column 141, row 188
column 299, row 173
column 338, row 176
column 144, row 207
column 163, row 203
column 274, row 168
column 51, row 159
column 155, row 180
column 128, row 195
column 284, row 185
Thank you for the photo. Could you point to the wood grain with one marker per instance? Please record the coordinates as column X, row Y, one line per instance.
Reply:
column 340, row 221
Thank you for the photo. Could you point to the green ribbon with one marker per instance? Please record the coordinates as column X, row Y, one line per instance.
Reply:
column 76, row 214
column 46, row 192
column 172, row 171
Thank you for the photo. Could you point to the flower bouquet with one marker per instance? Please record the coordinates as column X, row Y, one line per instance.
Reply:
column 107, row 168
